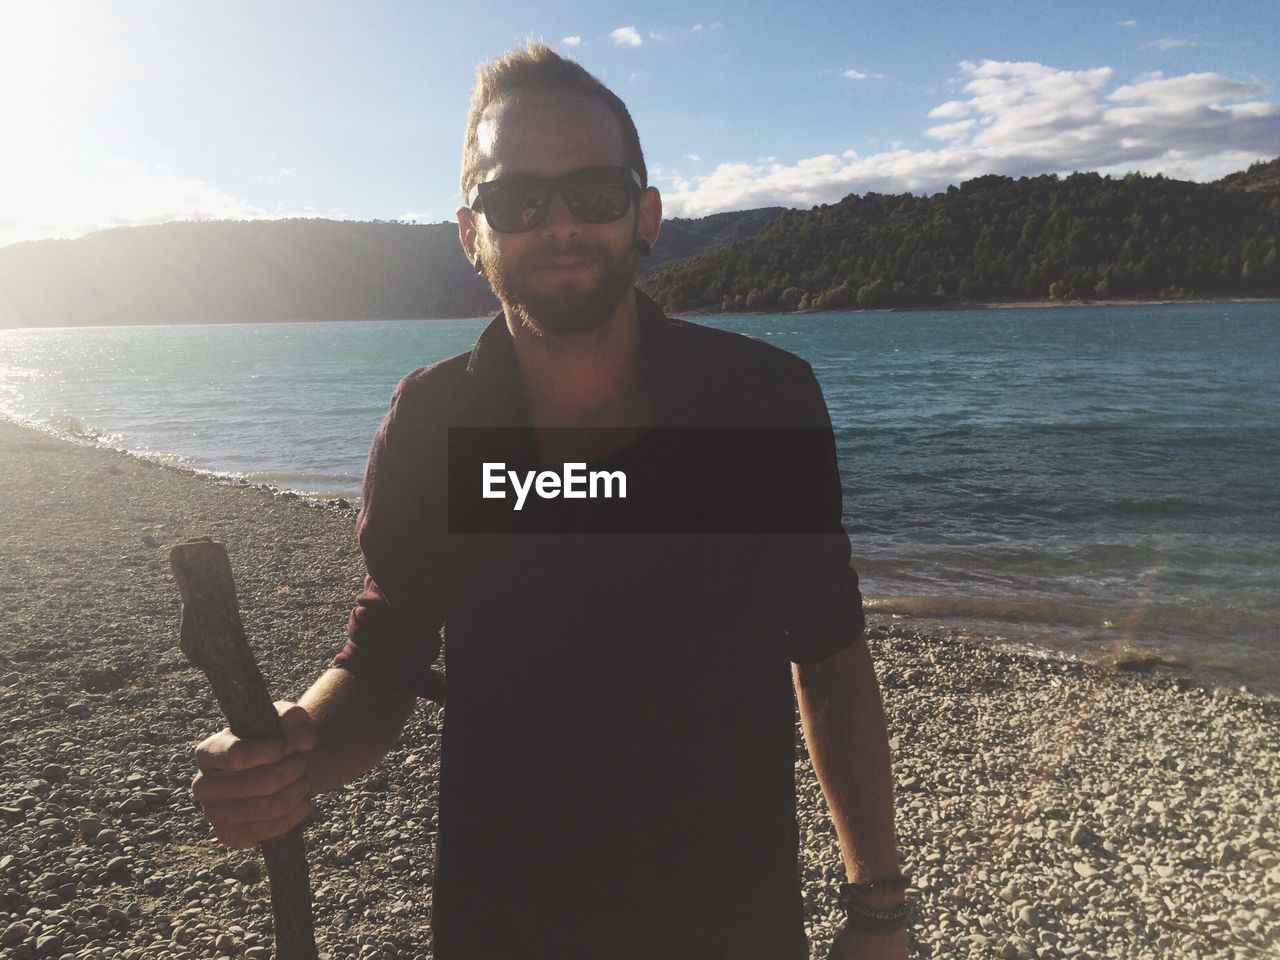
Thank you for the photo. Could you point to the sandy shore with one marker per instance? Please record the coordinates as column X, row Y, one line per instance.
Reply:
column 1046, row 809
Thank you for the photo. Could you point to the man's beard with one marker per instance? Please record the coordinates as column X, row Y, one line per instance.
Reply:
column 573, row 306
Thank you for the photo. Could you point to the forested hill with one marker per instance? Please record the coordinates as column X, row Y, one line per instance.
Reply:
column 1261, row 177
column 216, row 271
column 230, row 270
column 682, row 237
column 1083, row 236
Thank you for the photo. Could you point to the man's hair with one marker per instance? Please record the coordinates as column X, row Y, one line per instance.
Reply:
column 535, row 66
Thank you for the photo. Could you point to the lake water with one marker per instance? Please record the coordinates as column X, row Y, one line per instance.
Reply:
column 1090, row 479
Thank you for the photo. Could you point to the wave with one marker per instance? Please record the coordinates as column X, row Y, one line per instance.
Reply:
column 1136, row 617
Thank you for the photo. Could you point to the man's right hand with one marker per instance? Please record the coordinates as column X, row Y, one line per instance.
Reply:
column 253, row 790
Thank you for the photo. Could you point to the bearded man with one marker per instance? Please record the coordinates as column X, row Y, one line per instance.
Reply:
column 617, row 759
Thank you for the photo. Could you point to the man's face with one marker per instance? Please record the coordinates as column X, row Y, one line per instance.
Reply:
column 564, row 275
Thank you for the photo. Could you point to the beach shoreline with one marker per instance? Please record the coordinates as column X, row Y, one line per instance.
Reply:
column 1141, row 662
column 1114, row 655
column 1046, row 807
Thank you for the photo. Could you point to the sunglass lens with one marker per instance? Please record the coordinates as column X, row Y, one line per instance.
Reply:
column 513, row 205
column 598, row 201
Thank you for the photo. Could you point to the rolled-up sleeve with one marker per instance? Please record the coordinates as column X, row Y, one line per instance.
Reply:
column 825, row 605
column 393, row 633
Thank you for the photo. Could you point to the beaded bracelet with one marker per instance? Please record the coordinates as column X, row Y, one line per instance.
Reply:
column 870, row 920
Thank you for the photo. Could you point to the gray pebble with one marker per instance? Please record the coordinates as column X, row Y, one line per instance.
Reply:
column 247, row 871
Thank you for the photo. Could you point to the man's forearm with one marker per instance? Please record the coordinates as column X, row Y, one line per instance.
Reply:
column 355, row 725
column 844, row 727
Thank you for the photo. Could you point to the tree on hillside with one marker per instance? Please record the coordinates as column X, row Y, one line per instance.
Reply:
column 994, row 237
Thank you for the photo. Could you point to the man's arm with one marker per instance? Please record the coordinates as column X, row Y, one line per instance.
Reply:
column 356, row 725
column 251, row 790
column 844, row 726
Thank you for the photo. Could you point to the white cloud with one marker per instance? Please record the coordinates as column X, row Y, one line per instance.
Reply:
column 717, row 25
column 571, row 41
column 1173, row 43
column 1189, row 90
column 952, row 131
column 654, row 35
column 697, row 28
column 860, row 75
column 952, row 108
column 1021, row 119
column 692, row 156
column 626, row 37
column 1128, row 23
column 60, row 200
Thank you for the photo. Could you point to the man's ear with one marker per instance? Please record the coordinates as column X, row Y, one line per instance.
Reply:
column 650, row 214
column 467, row 232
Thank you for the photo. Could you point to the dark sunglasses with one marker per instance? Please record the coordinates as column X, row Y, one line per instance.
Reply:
column 519, row 202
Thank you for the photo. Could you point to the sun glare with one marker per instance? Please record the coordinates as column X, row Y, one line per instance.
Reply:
column 46, row 60
column 40, row 62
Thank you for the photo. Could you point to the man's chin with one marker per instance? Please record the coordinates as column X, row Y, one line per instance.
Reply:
column 572, row 307
column 569, row 311
column 575, row 302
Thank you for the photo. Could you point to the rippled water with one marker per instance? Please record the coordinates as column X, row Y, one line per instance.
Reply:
column 1094, row 478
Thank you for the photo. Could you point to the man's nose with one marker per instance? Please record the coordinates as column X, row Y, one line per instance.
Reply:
column 559, row 220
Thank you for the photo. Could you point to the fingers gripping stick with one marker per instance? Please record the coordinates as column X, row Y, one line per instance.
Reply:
column 213, row 640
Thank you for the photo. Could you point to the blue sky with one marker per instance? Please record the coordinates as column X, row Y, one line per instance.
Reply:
column 136, row 112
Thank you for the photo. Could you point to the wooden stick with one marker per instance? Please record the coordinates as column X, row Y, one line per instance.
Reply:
column 213, row 640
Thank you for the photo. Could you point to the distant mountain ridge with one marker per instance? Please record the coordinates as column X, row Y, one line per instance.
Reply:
column 683, row 237
column 264, row 270
column 216, row 271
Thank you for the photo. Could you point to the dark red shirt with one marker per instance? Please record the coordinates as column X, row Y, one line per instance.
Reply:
column 618, row 747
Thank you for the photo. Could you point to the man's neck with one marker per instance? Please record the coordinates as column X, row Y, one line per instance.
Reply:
column 590, row 379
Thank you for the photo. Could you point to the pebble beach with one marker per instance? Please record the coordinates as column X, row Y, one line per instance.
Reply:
column 1046, row 807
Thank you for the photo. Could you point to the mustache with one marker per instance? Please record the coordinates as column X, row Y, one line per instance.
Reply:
column 546, row 254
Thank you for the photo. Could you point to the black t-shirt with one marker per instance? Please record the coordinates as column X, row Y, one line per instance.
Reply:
column 618, row 749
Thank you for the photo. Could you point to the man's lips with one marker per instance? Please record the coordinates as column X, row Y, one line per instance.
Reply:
column 565, row 263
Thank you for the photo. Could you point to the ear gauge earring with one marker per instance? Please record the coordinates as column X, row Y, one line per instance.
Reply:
column 643, row 247
column 479, row 267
